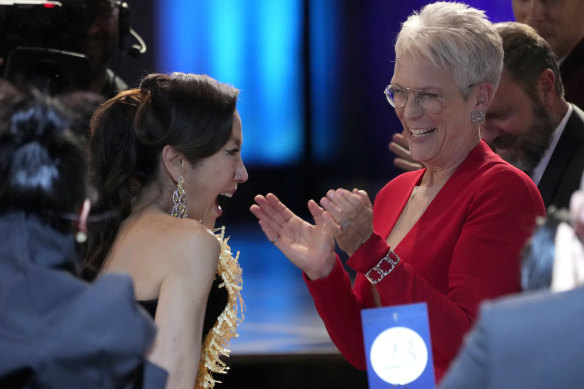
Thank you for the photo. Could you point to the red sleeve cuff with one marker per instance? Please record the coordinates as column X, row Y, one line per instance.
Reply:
column 368, row 254
column 338, row 271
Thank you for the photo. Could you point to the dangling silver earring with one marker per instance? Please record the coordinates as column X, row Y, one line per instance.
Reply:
column 179, row 201
column 477, row 117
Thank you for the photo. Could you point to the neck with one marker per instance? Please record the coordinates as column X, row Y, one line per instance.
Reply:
column 558, row 110
column 152, row 196
column 569, row 47
column 98, row 80
column 437, row 175
column 436, row 178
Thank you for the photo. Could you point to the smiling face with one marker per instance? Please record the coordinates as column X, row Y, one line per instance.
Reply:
column 518, row 127
column 214, row 176
column 438, row 140
column 558, row 21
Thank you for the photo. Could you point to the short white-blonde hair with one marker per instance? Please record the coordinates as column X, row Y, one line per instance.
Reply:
column 455, row 37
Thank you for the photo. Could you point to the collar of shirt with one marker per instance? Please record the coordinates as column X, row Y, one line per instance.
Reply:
column 540, row 168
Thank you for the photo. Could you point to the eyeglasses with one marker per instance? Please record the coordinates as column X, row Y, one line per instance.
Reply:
column 430, row 102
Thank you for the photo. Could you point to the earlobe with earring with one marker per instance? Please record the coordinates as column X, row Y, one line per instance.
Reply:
column 477, row 117
column 179, row 208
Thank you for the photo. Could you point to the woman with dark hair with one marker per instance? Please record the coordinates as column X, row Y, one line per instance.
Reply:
column 161, row 155
column 57, row 330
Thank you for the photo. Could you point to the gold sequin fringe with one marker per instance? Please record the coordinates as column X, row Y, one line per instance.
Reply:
column 219, row 337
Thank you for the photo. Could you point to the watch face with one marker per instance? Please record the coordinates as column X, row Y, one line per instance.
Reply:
column 399, row 355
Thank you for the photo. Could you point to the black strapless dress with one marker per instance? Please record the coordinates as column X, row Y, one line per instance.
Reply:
column 216, row 303
column 223, row 314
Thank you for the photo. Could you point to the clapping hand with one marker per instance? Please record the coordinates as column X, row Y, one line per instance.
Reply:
column 309, row 247
column 352, row 215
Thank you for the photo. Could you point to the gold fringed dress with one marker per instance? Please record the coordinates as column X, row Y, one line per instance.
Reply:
column 216, row 342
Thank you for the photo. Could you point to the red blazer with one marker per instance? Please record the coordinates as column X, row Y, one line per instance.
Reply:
column 465, row 248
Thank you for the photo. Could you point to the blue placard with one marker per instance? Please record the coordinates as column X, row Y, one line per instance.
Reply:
column 398, row 347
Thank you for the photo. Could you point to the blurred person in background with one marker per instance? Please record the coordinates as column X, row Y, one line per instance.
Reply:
column 529, row 123
column 561, row 24
column 57, row 330
column 68, row 46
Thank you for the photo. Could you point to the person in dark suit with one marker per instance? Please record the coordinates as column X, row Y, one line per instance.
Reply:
column 529, row 123
column 533, row 340
column 560, row 23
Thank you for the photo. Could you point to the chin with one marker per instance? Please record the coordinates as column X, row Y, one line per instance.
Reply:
column 210, row 224
column 420, row 157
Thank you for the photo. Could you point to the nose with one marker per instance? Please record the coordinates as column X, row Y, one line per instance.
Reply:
column 411, row 108
column 241, row 175
column 531, row 11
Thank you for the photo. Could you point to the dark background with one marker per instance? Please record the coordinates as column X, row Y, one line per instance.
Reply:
column 361, row 159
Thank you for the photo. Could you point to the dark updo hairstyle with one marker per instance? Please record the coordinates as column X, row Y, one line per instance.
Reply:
column 192, row 113
column 42, row 162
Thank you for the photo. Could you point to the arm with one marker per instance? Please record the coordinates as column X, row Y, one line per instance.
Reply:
column 460, row 253
column 340, row 310
column 181, row 307
column 311, row 248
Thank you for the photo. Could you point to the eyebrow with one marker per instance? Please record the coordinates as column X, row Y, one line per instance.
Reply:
column 423, row 89
column 235, row 140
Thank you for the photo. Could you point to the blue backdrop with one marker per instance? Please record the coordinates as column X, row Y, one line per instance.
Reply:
column 311, row 73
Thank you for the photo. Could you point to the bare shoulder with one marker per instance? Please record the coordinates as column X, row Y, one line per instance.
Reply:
column 192, row 248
